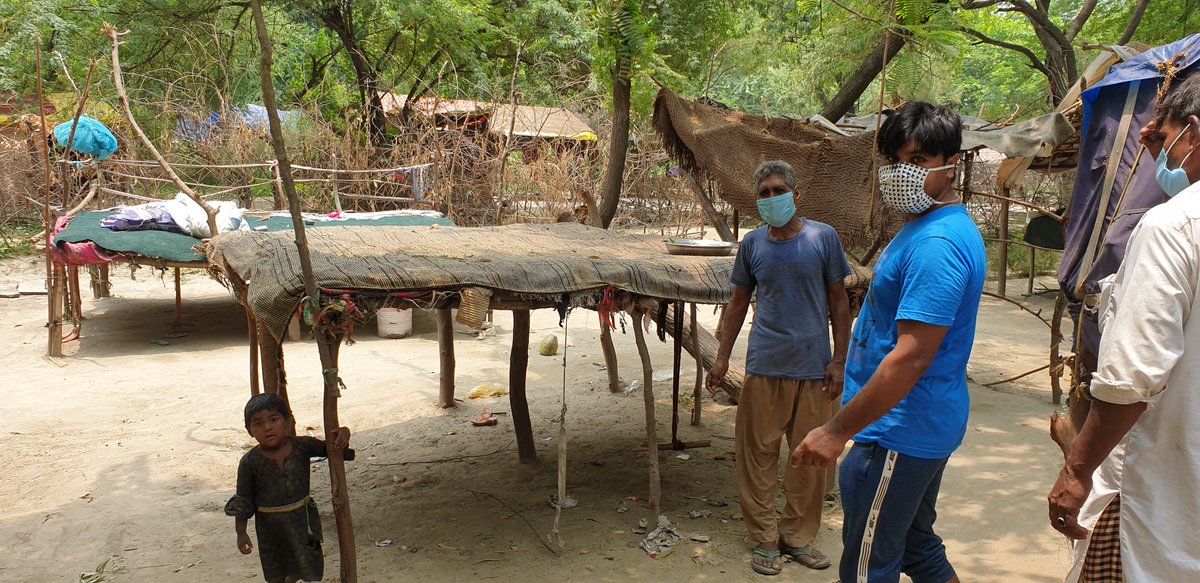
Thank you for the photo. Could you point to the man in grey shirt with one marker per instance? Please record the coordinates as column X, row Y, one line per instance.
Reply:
column 796, row 267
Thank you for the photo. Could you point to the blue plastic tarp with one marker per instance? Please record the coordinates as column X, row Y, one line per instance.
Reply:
column 1108, row 216
column 92, row 138
column 252, row 116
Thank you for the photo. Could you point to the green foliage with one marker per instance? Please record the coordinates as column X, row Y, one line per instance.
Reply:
column 778, row 57
column 14, row 239
column 1045, row 262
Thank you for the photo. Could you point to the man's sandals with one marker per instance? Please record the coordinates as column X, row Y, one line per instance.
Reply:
column 807, row 556
column 766, row 562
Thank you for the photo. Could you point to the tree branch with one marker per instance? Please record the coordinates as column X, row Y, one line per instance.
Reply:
column 1085, row 12
column 1034, row 61
column 1134, row 20
column 977, row 4
column 856, row 13
column 119, row 84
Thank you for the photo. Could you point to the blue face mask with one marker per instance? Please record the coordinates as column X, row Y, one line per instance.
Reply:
column 1172, row 180
column 777, row 211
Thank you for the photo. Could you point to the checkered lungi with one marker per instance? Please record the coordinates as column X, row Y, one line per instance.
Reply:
column 1102, row 564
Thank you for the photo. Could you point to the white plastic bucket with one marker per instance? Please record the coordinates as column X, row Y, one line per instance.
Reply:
column 394, row 323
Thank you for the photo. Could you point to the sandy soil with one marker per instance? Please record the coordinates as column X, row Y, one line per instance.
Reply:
column 128, row 449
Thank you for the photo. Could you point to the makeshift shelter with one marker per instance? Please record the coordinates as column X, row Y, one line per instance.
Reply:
column 516, row 267
column 81, row 241
column 833, row 162
column 500, row 119
column 1115, row 185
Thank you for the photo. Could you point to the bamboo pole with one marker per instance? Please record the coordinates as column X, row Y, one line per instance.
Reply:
column 119, row 84
column 517, row 364
column 610, row 356
column 53, row 317
column 648, row 398
column 327, row 345
column 445, row 329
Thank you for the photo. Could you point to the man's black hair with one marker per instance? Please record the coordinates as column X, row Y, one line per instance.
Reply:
column 937, row 129
column 266, row 402
column 1182, row 102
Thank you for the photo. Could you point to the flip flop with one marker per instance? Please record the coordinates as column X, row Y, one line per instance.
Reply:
column 807, row 556
column 485, row 419
column 766, row 562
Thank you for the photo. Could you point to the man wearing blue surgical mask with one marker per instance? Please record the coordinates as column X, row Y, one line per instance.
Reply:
column 796, row 267
column 1146, row 388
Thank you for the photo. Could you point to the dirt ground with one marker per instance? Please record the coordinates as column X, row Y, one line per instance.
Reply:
column 128, row 449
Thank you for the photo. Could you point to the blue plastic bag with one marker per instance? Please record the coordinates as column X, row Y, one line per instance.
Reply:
column 92, row 138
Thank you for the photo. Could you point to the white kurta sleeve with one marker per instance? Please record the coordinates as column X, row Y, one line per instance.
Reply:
column 1154, row 290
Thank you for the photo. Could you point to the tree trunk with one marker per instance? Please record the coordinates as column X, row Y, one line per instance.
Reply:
column 614, row 175
column 858, row 81
column 376, row 124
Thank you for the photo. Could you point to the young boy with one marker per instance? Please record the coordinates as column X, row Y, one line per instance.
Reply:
column 905, row 403
column 273, row 486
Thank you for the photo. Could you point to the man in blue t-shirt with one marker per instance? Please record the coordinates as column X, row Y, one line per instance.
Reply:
column 796, row 267
column 906, row 401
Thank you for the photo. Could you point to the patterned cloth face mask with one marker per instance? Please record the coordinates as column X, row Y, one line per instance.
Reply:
column 903, row 187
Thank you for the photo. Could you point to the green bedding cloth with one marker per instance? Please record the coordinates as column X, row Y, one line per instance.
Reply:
column 182, row 248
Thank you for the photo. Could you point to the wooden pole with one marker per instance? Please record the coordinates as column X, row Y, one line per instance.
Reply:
column 178, row 300
column 445, row 329
column 101, row 288
column 676, row 362
column 327, row 343
column 1002, row 254
column 270, row 353
column 76, row 295
column 610, row 356
column 252, row 330
column 277, row 185
column 1032, row 269
column 337, row 198
column 53, row 317
column 696, row 394
column 517, row 364
column 119, row 84
column 705, row 348
column 648, row 398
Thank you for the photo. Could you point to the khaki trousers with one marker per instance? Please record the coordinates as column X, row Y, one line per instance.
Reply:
column 768, row 410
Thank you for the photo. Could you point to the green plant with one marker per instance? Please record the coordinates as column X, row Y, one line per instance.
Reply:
column 14, row 239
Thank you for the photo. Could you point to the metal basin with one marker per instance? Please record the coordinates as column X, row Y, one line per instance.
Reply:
column 699, row 247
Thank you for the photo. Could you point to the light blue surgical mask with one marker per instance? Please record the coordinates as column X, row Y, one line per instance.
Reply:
column 777, row 211
column 1172, row 180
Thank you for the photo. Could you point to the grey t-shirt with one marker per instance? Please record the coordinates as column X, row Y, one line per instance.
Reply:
column 790, row 335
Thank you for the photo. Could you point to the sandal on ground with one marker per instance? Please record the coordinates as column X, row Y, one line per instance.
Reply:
column 807, row 556
column 766, row 562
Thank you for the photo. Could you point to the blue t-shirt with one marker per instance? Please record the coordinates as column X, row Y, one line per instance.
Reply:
column 790, row 336
column 932, row 272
